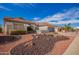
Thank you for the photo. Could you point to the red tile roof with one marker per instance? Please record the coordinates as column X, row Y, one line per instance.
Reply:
column 18, row 20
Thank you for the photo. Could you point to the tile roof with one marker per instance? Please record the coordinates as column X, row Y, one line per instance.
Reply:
column 45, row 24
column 18, row 20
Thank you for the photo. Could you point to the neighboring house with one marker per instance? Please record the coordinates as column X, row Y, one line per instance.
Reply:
column 12, row 24
column 59, row 29
column 45, row 27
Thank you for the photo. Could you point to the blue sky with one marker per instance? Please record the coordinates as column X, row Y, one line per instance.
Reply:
column 54, row 13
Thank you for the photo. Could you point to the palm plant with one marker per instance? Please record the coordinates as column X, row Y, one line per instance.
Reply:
column 68, row 27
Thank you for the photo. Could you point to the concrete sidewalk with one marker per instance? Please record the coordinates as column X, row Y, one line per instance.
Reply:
column 73, row 49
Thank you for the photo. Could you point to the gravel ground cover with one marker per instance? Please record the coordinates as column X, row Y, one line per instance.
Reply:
column 41, row 44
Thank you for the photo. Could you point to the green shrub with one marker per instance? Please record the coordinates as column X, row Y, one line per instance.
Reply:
column 0, row 30
column 29, row 29
column 18, row 32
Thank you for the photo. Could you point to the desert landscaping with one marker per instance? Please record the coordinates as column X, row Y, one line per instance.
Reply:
column 37, row 44
column 21, row 37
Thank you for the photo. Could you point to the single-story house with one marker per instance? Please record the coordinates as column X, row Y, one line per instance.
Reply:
column 45, row 27
column 12, row 24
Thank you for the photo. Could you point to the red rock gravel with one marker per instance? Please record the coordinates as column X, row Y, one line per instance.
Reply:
column 57, row 46
column 61, row 46
column 44, row 44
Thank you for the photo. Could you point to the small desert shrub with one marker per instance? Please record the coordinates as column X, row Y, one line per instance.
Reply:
column 0, row 30
column 18, row 32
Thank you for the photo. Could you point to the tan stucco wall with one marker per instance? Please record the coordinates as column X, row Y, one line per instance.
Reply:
column 43, row 28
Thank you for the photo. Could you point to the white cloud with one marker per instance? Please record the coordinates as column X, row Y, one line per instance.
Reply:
column 69, row 16
column 4, row 8
column 76, row 27
column 65, row 22
column 29, row 5
column 36, row 19
column 56, row 17
column 72, row 13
